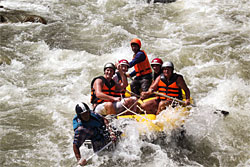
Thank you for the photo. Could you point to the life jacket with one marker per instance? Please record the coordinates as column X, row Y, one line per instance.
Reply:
column 123, row 91
column 76, row 122
column 95, row 125
column 143, row 67
column 107, row 88
column 169, row 88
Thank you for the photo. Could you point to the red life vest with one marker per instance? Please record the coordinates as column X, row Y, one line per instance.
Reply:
column 143, row 67
column 108, row 88
column 170, row 88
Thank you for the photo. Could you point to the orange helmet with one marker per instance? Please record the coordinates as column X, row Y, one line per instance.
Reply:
column 124, row 61
column 136, row 41
column 157, row 61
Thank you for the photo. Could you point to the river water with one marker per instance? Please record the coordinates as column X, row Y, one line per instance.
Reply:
column 47, row 70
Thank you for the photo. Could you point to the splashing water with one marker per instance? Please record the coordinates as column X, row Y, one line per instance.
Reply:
column 45, row 70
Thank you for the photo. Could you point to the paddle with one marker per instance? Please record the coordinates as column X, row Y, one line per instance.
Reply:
column 223, row 112
column 132, row 93
column 89, row 158
column 173, row 98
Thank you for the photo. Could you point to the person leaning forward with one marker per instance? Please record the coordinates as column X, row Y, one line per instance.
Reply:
column 150, row 106
column 88, row 125
column 105, row 92
column 168, row 83
column 143, row 71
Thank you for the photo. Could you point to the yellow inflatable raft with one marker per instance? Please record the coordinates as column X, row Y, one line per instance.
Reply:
column 169, row 119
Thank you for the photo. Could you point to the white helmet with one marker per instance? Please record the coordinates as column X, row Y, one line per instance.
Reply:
column 109, row 65
column 168, row 64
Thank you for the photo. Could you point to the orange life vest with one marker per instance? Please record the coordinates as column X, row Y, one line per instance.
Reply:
column 108, row 88
column 144, row 67
column 169, row 88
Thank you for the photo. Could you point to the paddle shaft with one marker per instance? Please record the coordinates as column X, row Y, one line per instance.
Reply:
column 180, row 101
column 225, row 113
column 89, row 158
column 132, row 93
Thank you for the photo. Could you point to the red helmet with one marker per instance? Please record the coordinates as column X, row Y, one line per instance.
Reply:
column 157, row 61
column 136, row 41
column 124, row 61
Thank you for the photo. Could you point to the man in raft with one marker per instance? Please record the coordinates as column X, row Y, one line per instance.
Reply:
column 149, row 105
column 91, row 126
column 168, row 83
column 143, row 71
column 105, row 92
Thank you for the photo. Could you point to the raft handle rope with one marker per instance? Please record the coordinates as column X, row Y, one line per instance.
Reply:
column 142, row 110
column 134, row 94
column 137, row 114
column 128, row 109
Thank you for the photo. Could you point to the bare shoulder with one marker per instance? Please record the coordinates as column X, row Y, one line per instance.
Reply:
column 98, row 81
column 180, row 80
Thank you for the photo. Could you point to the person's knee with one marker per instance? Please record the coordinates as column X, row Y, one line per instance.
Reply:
column 108, row 105
column 100, row 109
column 149, row 105
column 109, row 108
column 128, row 101
column 145, row 105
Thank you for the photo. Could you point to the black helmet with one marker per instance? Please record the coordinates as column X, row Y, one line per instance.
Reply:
column 81, row 108
column 109, row 65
